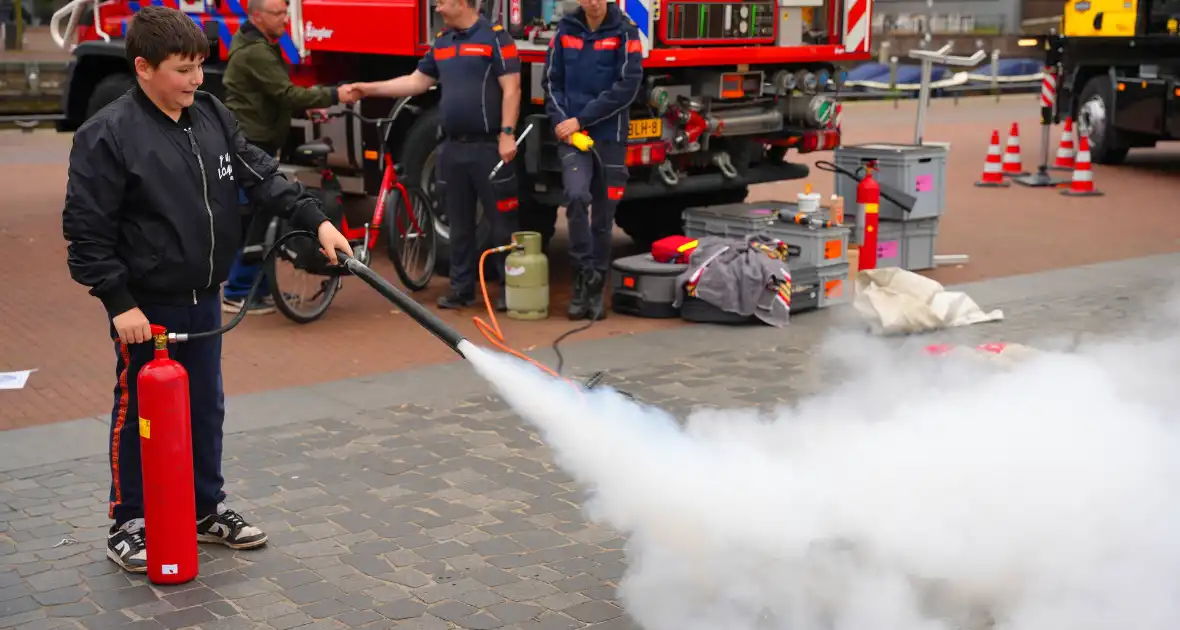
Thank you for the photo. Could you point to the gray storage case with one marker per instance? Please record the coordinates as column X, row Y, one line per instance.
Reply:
column 916, row 170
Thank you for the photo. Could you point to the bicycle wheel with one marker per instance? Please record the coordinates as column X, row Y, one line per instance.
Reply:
column 412, row 238
column 283, row 284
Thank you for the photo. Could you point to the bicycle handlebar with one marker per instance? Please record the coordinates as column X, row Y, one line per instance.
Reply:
column 371, row 121
column 174, row 337
column 428, row 320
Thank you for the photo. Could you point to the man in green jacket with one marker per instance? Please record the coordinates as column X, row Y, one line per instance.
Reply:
column 259, row 91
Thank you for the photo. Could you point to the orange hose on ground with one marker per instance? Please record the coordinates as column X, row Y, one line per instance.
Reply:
column 492, row 332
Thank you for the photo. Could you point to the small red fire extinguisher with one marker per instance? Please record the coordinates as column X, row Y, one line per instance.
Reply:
column 868, row 196
column 166, row 453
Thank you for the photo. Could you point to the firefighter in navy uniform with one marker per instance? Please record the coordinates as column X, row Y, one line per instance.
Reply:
column 593, row 72
column 479, row 69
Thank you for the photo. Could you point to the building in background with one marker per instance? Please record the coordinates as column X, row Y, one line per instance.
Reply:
column 902, row 25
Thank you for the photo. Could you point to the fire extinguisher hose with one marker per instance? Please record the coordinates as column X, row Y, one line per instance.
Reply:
column 904, row 201
column 420, row 314
column 424, row 317
column 228, row 326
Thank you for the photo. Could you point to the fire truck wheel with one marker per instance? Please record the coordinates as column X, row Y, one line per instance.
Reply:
column 1096, row 119
column 648, row 220
column 418, row 158
column 108, row 89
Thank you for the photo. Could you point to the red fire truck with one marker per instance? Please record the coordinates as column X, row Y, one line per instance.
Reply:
column 730, row 87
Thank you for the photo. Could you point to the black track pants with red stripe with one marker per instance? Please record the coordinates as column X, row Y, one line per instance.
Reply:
column 202, row 359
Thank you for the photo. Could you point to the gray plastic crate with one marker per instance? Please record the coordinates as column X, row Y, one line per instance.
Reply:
column 833, row 285
column 890, row 244
column 919, row 243
column 810, row 247
column 916, row 170
column 906, row 244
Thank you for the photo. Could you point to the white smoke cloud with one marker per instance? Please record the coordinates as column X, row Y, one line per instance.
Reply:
column 920, row 494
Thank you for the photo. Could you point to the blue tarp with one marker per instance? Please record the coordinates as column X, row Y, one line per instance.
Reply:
column 912, row 73
column 868, row 72
column 1014, row 67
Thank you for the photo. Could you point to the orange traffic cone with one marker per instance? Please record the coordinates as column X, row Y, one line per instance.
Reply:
column 992, row 175
column 1065, row 152
column 1082, row 184
column 1012, row 153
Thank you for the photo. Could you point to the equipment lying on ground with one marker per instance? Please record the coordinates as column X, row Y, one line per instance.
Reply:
column 813, row 247
column 896, row 301
column 731, row 278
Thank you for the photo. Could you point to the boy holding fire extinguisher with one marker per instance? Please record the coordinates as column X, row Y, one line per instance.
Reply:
column 153, row 223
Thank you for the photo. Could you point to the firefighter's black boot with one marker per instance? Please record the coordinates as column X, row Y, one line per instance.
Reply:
column 577, row 309
column 595, row 300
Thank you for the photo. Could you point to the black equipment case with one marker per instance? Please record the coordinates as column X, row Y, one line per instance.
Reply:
column 642, row 287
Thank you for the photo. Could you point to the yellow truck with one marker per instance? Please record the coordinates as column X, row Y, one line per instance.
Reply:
column 1119, row 64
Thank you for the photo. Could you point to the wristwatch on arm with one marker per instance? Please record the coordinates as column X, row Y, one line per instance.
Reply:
column 508, row 131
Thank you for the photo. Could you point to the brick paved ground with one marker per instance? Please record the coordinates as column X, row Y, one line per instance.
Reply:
column 439, row 509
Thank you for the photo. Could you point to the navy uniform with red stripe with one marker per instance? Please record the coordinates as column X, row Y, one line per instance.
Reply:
column 593, row 75
column 469, row 63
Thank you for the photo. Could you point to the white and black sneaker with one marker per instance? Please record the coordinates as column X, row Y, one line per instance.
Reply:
column 228, row 528
column 127, row 547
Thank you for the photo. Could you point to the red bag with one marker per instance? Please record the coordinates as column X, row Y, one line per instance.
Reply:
column 673, row 249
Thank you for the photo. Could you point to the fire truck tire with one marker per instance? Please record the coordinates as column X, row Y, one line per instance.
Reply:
column 418, row 159
column 108, row 89
column 648, row 220
column 1096, row 108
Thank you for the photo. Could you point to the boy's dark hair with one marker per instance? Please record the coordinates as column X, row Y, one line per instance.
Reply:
column 158, row 32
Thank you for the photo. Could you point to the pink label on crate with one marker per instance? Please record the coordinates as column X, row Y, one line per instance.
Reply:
column 888, row 249
column 924, row 183
column 762, row 211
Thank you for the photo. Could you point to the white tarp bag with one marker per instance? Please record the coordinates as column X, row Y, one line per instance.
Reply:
column 896, row 301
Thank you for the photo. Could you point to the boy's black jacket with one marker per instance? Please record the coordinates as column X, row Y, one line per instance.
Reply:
column 152, row 212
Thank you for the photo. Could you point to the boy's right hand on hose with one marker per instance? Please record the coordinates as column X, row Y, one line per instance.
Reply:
column 132, row 326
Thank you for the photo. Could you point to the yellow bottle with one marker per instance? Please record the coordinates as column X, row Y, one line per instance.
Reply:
column 582, row 140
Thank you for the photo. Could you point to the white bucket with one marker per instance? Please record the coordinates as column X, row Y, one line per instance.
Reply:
column 809, row 203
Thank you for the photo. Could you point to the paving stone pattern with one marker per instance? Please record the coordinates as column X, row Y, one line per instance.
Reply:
column 420, row 518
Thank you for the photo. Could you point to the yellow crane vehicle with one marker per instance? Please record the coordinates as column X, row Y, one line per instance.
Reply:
column 1118, row 69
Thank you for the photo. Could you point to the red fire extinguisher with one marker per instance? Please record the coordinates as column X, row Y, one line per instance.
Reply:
column 868, row 196
column 166, row 452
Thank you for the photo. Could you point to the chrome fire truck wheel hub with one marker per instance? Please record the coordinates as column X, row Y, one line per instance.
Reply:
column 428, row 183
column 1092, row 120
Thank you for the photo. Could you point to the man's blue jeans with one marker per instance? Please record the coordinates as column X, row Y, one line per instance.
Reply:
column 241, row 275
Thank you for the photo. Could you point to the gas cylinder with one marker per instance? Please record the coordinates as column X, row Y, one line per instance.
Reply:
column 526, row 284
column 166, row 453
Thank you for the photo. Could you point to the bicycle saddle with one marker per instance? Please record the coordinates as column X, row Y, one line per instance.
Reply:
column 314, row 149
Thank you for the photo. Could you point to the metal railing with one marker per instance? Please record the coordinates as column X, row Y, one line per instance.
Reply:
column 981, row 81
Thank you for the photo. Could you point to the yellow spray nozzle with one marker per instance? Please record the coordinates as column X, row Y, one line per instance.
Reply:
column 582, row 140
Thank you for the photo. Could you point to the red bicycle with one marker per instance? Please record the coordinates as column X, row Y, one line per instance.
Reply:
column 404, row 213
